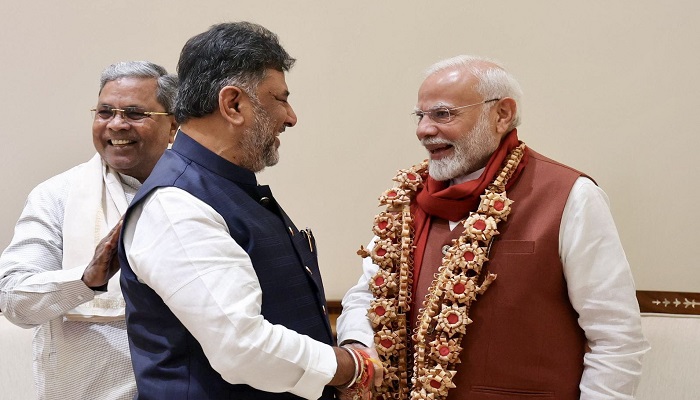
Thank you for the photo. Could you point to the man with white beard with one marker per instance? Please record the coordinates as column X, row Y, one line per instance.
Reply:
column 489, row 219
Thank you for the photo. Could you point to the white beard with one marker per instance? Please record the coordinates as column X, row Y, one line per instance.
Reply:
column 471, row 152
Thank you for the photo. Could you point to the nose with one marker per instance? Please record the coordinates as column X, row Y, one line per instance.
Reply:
column 426, row 127
column 118, row 122
column 291, row 119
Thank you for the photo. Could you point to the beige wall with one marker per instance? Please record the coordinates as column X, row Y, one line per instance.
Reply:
column 611, row 88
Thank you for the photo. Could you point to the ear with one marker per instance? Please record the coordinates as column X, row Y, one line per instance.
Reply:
column 230, row 98
column 173, row 129
column 505, row 112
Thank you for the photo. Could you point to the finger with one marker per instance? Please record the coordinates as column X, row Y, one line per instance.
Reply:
column 110, row 241
column 114, row 233
column 107, row 248
column 378, row 367
column 117, row 226
column 378, row 374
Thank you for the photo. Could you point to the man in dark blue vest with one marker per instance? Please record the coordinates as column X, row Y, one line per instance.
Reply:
column 224, row 298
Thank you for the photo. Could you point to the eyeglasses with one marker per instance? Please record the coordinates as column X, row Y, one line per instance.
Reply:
column 442, row 114
column 129, row 114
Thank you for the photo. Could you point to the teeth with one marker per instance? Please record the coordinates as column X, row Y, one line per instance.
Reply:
column 118, row 142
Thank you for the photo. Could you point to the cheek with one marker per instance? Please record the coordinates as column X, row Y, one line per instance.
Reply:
column 281, row 116
column 154, row 135
column 98, row 134
column 453, row 133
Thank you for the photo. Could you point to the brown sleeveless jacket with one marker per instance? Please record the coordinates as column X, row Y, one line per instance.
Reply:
column 525, row 341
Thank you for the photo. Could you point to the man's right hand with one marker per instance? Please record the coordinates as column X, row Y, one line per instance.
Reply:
column 105, row 262
column 364, row 390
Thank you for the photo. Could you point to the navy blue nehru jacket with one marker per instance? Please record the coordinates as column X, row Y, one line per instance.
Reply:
column 168, row 362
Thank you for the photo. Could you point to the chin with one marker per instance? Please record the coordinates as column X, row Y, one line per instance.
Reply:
column 119, row 165
column 443, row 169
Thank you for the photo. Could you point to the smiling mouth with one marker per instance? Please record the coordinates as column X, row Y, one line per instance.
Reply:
column 438, row 148
column 120, row 142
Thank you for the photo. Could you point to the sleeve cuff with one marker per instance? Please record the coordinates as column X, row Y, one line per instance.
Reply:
column 322, row 367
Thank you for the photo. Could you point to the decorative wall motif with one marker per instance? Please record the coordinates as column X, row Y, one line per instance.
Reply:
column 669, row 302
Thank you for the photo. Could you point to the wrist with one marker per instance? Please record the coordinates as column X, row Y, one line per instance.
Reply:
column 96, row 288
column 357, row 363
column 344, row 369
column 364, row 372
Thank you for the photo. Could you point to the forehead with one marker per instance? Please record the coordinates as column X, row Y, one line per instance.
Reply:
column 130, row 92
column 449, row 87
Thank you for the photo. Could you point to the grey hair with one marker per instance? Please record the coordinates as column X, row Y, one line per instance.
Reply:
column 493, row 79
column 167, row 83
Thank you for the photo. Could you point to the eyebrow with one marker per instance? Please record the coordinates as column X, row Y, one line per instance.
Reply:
column 106, row 105
column 433, row 107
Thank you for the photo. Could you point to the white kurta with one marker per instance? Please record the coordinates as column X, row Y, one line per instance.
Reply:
column 80, row 344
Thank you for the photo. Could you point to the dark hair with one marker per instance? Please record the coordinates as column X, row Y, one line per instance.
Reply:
column 167, row 84
column 228, row 54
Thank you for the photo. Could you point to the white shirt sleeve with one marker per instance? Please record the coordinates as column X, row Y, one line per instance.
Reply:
column 34, row 288
column 353, row 324
column 601, row 290
column 181, row 248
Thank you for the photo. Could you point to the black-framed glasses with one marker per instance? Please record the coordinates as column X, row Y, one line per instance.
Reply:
column 129, row 114
column 443, row 114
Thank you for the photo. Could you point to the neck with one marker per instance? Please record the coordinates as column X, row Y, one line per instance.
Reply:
column 214, row 135
column 467, row 177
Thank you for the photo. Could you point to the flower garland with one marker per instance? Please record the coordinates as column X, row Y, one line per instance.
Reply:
column 445, row 312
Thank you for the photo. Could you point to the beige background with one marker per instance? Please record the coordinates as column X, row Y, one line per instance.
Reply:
column 611, row 88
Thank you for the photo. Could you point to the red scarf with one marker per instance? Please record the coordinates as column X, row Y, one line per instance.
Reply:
column 454, row 203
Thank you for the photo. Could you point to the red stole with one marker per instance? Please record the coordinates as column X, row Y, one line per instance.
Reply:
column 455, row 202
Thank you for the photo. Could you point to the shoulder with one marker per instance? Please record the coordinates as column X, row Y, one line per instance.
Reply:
column 551, row 164
column 174, row 203
column 53, row 193
column 586, row 193
column 59, row 185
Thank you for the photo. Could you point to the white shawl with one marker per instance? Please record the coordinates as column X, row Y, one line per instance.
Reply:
column 94, row 205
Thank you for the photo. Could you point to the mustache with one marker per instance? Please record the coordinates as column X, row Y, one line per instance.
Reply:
column 433, row 140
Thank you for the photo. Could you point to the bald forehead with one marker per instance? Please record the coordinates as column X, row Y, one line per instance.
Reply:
column 449, row 76
column 447, row 86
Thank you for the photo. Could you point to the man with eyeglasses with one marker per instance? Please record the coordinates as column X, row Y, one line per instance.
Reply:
column 59, row 274
column 495, row 272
